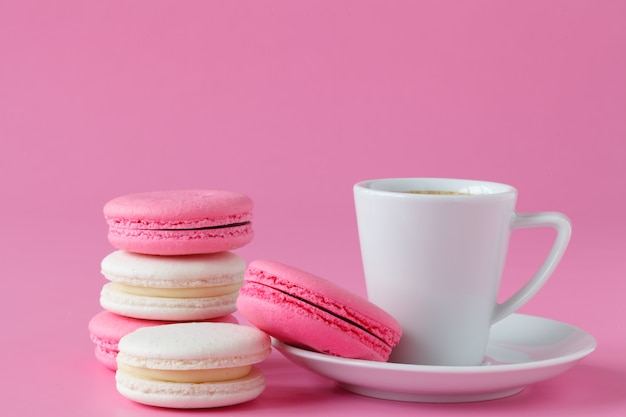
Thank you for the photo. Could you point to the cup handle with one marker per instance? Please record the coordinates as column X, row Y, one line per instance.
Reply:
column 563, row 228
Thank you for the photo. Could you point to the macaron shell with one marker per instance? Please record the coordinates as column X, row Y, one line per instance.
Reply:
column 191, row 395
column 185, row 346
column 169, row 309
column 202, row 270
column 105, row 355
column 178, row 209
column 301, row 324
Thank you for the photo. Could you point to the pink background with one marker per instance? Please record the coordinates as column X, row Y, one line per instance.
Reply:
column 292, row 102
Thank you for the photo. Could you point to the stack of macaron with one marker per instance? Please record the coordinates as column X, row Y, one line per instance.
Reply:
column 174, row 282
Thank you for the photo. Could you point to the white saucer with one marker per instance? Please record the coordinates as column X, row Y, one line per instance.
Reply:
column 522, row 350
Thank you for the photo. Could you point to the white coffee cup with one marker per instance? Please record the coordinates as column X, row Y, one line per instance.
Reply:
column 434, row 261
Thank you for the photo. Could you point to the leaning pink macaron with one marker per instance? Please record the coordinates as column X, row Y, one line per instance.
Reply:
column 180, row 222
column 305, row 310
column 107, row 328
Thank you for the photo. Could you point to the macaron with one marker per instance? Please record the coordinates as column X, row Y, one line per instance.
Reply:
column 308, row 311
column 173, row 288
column 180, row 222
column 106, row 329
column 192, row 365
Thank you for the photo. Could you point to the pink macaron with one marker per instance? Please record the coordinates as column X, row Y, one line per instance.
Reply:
column 308, row 311
column 107, row 328
column 180, row 222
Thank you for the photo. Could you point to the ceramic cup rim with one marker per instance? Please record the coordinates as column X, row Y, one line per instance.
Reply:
column 469, row 188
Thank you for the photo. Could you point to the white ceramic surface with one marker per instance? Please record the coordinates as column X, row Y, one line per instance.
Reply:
column 522, row 350
column 434, row 261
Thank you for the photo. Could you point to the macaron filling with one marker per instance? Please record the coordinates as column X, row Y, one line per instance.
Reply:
column 193, row 292
column 222, row 226
column 194, row 376
column 193, row 224
column 234, row 229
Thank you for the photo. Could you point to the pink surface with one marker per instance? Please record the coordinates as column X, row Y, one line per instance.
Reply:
column 302, row 309
column 292, row 103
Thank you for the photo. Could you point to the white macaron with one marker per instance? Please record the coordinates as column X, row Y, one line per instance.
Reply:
column 172, row 288
column 192, row 365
